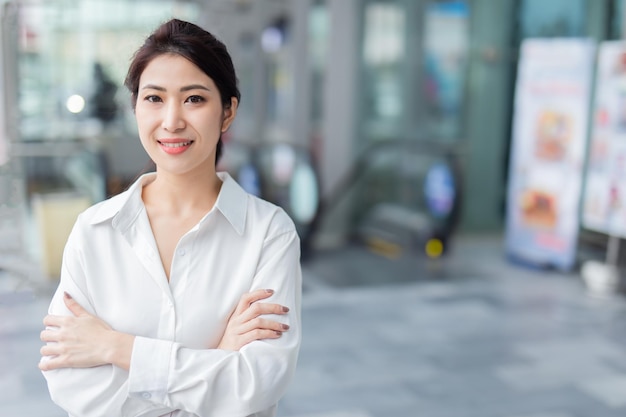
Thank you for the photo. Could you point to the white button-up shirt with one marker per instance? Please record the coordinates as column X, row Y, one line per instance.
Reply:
column 111, row 266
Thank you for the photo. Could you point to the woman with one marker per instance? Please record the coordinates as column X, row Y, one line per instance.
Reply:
column 157, row 311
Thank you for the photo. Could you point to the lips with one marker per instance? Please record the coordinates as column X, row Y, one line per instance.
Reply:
column 174, row 146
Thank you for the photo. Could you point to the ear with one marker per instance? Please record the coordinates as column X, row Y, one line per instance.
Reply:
column 229, row 114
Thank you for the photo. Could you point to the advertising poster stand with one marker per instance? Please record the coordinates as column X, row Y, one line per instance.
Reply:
column 547, row 151
column 604, row 199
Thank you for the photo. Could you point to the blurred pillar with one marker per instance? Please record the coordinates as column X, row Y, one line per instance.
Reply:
column 489, row 98
column 4, row 103
column 9, row 72
column 339, row 93
column 598, row 20
column 623, row 19
column 301, row 122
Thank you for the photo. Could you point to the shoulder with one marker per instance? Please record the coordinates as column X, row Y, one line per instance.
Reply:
column 277, row 220
column 104, row 210
column 255, row 215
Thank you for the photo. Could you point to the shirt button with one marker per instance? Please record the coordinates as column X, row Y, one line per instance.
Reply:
column 181, row 252
column 146, row 395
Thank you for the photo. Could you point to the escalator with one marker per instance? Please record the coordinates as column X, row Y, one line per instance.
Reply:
column 391, row 219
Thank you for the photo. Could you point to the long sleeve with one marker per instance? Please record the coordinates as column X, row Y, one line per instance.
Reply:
column 213, row 382
column 85, row 392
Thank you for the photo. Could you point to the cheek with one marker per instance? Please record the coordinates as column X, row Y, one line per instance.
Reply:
column 145, row 122
column 211, row 125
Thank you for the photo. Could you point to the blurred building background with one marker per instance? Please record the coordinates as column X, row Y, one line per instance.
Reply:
column 332, row 78
column 348, row 108
column 335, row 77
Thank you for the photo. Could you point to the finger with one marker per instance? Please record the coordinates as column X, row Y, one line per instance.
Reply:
column 49, row 336
column 263, row 324
column 73, row 306
column 51, row 363
column 54, row 321
column 50, row 350
column 250, row 297
column 256, row 335
column 261, row 334
column 258, row 309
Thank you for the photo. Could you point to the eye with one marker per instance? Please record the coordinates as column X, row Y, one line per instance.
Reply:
column 152, row 99
column 195, row 99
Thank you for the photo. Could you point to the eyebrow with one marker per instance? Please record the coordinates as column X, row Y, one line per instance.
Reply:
column 182, row 89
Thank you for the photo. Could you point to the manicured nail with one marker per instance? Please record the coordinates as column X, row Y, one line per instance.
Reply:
column 278, row 333
column 69, row 297
column 285, row 326
column 285, row 309
column 269, row 291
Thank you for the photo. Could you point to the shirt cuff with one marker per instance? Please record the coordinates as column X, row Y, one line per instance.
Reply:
column 149, row 369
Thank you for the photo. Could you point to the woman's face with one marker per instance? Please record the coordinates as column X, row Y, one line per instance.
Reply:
column 180, row 115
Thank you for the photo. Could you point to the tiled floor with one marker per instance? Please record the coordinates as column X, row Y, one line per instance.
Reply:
column 474, row 337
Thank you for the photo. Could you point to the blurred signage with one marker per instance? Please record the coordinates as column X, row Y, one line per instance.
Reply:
column 604, row 201
column 547, row 150
column 249, row 179
column 303, row 194
column 439, row 190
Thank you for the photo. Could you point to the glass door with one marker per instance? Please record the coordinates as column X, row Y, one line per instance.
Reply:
column 413, row 70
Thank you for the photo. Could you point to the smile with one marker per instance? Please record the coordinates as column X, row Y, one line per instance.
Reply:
column 175, row 144
column 175, row 147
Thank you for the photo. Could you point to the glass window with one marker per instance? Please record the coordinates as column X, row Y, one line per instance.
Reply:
column 318, row 36
column 446, row 44
column 73, row 56
column 384, row 53
column 540, row 18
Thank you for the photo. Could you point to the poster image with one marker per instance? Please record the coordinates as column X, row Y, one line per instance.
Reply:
column 539, row 209
column 553, row 134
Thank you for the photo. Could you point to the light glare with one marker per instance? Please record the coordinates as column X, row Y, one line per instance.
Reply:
column 75, row 103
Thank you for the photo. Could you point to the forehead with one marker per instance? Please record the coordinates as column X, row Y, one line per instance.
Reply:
column 173, row 69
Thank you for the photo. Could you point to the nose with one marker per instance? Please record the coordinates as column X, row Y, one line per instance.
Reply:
column 173, row 119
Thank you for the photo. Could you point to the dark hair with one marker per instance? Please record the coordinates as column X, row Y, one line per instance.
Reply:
column 198, row 46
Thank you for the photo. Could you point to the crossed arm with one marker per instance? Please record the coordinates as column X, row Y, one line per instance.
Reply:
column 84, row 340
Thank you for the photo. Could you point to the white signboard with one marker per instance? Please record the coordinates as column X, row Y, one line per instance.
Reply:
column 548, row 150
column 604, row 201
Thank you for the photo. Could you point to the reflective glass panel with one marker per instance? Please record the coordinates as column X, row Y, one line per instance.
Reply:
column 73, row 56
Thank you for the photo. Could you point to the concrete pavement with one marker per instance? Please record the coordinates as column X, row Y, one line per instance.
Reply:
column 471, row 337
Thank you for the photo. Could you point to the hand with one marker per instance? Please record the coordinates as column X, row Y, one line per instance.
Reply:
column 245, row 324
column 81, row 341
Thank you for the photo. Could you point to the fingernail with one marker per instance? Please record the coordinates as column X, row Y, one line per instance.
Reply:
column 285, row 309
column 69, row 297
column 279, row 333
column 269, row 291
column 285, row 326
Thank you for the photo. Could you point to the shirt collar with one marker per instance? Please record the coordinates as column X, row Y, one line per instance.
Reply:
column 232, row 202
column 124, row 207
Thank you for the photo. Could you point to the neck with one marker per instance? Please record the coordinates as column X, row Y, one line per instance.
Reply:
column 179, row 194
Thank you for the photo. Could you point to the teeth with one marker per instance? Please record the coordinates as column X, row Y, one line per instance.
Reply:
column 175, row 145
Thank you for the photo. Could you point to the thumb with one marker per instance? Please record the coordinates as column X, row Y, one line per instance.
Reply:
column 73, row 306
